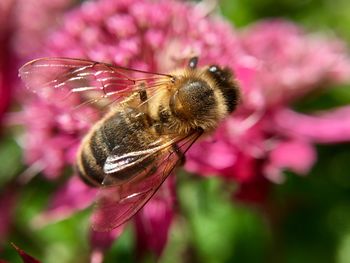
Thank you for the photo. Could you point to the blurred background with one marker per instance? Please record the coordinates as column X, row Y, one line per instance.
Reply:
column 302, row 219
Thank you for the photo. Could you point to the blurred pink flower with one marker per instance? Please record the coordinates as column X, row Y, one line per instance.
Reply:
column 151, row 226
column 22, row 36
column 290, row 63
column 22, row 31
column 156, row 217
column 73, row 196
column 59, row 130
column 332, row 126
column 32, row 20
column 265, row 136
column 102, row 241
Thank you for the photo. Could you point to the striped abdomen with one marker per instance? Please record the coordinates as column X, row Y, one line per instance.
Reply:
column 120, row 132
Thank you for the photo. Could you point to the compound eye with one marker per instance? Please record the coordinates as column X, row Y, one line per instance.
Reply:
column 213, row 69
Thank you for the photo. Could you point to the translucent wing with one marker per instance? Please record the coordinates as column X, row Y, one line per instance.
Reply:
column 117, row 204
column 121, row 163
column 95, row 81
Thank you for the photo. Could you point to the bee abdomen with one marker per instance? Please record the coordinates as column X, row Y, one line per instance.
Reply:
column 91, row 173
column 120, row 133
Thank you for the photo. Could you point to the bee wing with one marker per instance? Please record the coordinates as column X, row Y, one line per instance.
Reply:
column 117, row 204
column 96, row 81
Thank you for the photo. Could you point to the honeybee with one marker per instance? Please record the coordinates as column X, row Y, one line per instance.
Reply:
column 150, row 124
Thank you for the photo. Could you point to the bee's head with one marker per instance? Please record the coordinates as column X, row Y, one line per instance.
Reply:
column 225, row 83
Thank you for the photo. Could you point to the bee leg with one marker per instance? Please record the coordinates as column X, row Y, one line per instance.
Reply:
column 192, row 63
column 143, row 98
column 143, row 93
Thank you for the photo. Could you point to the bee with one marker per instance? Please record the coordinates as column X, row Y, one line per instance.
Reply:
column 151, row 122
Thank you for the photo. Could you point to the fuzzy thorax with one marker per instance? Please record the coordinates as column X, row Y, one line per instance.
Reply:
column 192, row 102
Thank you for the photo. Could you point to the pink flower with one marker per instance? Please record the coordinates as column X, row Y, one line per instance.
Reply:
column 156, row 217
column 60, row 132
column 290, row 63
column 29, row 33
column 22, row 30
column 21, row 37
column 266, row 136
column 332, row 126
column 102, row 241
column 73, row 196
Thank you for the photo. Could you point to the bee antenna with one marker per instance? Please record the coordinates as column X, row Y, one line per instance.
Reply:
column 192, row 63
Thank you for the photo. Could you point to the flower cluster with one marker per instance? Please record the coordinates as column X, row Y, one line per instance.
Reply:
column 21, row 36
column 275, row 63
column 23, row 27
column 31, row 21
column 266, row 135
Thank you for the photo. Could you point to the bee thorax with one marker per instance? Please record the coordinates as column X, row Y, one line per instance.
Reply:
column 194, row 105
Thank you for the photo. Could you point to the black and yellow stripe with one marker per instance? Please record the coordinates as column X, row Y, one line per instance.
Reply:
column 118, row 133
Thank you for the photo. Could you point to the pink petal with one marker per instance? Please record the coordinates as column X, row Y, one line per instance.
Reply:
column 154, row 220
column 296, row 155
column 246, row 72
column 210, row 157
column 326, row 127
column 303, row 61
column 245, row 169
column 101, row 241
column 75, row 195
